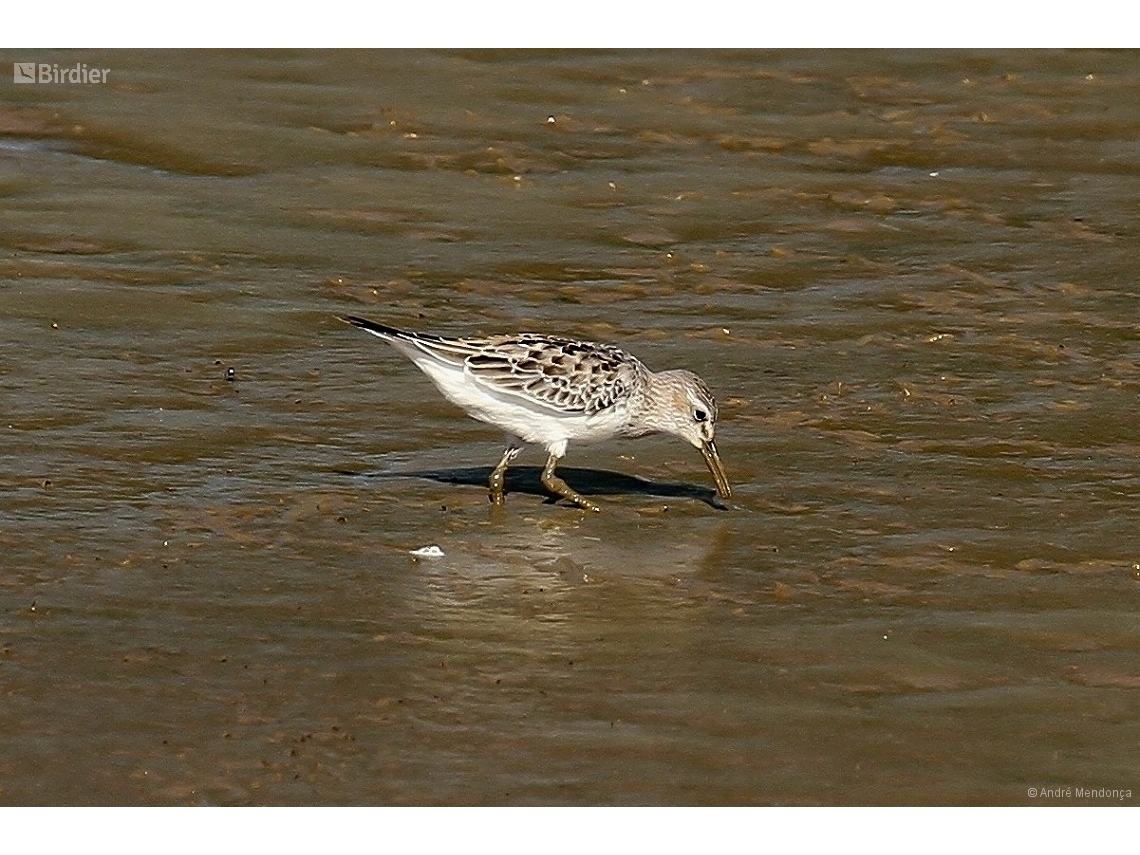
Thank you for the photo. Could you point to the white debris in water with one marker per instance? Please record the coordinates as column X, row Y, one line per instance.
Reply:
column 432, row 551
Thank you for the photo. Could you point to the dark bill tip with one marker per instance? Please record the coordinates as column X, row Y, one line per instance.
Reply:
column 712, row 460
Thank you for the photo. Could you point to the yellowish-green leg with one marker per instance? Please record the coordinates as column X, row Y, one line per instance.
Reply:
column 500, row 473
column 556, row 485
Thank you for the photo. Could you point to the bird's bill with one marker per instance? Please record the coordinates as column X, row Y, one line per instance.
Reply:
column 712, row 459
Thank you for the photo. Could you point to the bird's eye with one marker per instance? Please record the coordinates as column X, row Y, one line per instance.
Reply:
column 700, row 415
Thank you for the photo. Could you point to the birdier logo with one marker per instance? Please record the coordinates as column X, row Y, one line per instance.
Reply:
column 44, row 72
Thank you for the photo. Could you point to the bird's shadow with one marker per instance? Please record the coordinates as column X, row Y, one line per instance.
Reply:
column 589, row 482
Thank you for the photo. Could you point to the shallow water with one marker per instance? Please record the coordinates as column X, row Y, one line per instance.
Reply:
column 910, row 278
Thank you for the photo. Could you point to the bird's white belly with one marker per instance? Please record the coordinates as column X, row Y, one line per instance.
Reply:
column 531, row 421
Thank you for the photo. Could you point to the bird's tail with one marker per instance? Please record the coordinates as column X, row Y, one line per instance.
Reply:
column 450, row 350
column 375, row 328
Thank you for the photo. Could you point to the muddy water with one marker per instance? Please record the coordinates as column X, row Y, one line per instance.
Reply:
column 910, row 278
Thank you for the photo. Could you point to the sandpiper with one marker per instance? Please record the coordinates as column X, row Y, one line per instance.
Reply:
column 549, row 390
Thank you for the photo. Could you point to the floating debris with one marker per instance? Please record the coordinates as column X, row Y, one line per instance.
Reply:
column 432, row 551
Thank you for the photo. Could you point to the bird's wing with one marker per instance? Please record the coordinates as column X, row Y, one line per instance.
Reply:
column 563, row 374
column 570, row 376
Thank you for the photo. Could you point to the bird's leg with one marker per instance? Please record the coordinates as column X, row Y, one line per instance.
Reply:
column 556, row 485
column 500, row 473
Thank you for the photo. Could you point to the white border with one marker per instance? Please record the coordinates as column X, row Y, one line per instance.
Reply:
column 586, row 23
